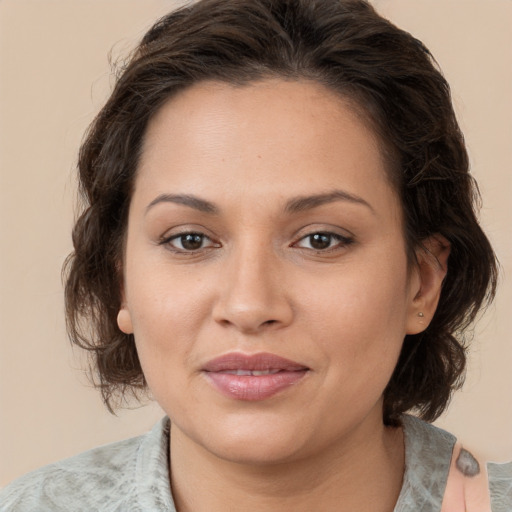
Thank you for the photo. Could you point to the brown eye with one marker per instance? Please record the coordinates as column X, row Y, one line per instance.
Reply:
column 323, row 241
column 320, row 241
column 187, row 242
column 191, row 241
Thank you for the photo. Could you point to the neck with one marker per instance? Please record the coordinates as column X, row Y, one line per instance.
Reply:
column 362, row 472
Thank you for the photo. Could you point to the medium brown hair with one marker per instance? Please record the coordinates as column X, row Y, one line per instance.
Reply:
column 346, row 46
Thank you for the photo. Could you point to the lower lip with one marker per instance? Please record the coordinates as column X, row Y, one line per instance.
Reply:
column 254, row 387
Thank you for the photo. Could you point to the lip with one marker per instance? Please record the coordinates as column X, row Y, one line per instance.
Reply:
column 283, row 374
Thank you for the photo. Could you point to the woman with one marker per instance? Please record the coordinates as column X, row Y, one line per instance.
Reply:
column 279, row 243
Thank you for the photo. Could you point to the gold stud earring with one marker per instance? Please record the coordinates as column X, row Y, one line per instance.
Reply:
column 420, row 314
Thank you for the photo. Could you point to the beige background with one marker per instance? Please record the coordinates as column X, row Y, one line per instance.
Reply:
column 54, row 77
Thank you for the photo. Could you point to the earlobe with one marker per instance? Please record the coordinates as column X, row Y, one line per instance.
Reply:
column 431, row 268
column 124, row 320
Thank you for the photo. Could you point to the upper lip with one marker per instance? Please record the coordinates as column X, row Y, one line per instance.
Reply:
column 257, row 362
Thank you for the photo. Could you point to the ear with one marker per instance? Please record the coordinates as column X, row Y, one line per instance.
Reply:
column 426, row 280
column 124, row 319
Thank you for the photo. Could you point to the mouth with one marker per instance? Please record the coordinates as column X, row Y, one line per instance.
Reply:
column 253, row 377
column 250, row 372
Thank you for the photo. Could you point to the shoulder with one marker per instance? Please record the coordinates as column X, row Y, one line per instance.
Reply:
column 99, row 479
column 428, row 453
column 484, row 486
column 443, row 474
column 426, row 434
column 500, row 486
column 467, row 487
column 82, row 479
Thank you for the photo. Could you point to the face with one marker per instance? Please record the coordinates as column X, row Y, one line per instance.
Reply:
column 265, row 273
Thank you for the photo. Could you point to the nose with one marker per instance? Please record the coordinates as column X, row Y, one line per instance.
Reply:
column 252, row 296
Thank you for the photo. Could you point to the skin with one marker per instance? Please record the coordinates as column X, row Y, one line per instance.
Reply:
column 257, row 284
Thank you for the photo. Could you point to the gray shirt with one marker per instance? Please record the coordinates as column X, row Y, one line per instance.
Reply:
column 133, row 476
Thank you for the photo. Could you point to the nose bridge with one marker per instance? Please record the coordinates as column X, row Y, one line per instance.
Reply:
column 251, row 296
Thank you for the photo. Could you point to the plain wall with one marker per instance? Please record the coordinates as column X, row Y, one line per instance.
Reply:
column 54, row 76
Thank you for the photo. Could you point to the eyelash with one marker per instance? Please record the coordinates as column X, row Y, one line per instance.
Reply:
column 342, row 241
column 168, row 242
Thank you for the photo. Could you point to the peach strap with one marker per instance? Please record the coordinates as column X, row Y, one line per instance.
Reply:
column 467, row 487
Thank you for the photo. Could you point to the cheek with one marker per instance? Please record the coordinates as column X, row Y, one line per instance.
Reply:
column 359, row 322
column 167, row 312
column 360, row 298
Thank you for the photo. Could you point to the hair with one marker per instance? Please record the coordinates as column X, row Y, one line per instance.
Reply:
column 348, row 48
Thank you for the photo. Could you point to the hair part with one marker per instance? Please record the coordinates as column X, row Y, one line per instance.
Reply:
column 347, row 47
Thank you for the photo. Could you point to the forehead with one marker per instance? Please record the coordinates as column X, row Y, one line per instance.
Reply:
column 273, row 136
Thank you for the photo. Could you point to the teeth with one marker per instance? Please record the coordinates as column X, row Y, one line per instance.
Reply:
column 242, row 372
column 250, row 372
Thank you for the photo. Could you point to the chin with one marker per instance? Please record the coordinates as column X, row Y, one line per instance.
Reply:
column 257, row 452
column 254, row 441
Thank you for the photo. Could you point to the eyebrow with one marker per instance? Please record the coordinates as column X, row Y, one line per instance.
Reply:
column 187, row 200
column 294, row 205
column 303, row 203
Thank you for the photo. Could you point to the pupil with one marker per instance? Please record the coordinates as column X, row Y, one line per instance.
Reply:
column 320, row 241
column 192, row 241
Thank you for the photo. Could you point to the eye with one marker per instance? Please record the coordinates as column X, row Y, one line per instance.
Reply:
column 323, row 241
column 188, row 242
